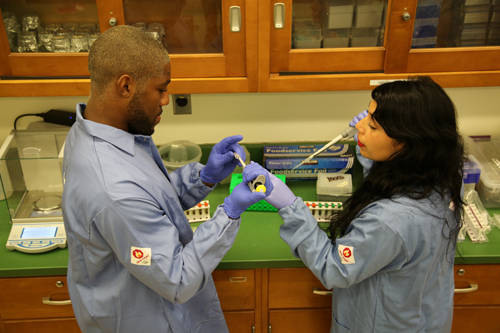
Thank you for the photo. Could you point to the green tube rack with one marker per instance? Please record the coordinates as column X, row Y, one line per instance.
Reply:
column 261, row 206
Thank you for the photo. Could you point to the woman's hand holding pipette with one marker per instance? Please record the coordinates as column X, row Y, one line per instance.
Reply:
column 281, row 196
column 356, row 120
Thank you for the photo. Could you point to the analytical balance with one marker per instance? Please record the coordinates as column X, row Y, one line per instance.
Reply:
column 31, row 177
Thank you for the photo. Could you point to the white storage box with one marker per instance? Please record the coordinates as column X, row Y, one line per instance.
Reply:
column 368, row 16
column 338, row 17
column 487, row 152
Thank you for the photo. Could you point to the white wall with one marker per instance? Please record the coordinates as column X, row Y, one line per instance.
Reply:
column 268, row 117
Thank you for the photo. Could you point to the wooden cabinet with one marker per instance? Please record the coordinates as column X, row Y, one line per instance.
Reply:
column 283, row 68
column 237, row 295
column 253, row 300
column 230, row 67
column 477, row 299
column 42, row 304
column 36, row 304
column 297, row 302
column 257, row 54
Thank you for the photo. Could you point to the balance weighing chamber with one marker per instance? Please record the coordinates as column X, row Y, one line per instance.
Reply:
column 32, row 185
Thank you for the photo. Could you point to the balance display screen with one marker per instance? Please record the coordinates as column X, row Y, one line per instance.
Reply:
column 41, row 232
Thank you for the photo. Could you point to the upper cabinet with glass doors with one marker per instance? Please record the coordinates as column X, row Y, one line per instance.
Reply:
column 212, row 43
column 314, row 45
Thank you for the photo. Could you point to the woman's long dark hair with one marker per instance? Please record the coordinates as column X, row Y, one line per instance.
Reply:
column 418, row 113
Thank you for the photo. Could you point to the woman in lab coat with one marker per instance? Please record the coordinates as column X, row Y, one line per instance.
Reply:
column 389, row 259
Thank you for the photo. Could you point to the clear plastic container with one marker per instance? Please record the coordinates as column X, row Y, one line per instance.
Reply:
column 333, row 187
column 364, row 37
column 307, row 34
column 178, row 153
column 336, row 38
column 487, row 152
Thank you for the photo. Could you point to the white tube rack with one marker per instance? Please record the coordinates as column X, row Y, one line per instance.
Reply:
column 199, row 213
column 323, row 210
column 475, row 225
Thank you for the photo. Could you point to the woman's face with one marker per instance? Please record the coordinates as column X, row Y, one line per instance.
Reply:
column 374, row 143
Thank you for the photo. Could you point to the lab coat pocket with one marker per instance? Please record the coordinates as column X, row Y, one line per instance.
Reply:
column 337, row 328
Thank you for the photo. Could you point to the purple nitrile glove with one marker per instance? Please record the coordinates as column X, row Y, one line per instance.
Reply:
column 242, row 197
column 281, row 196
column 356, row 120
column 221, row 161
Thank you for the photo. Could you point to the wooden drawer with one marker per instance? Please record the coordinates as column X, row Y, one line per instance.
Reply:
column 487, row 279
column 236, row 288
column 66, row 325
column 299, row 321
column 294, row 288
column 22, row 298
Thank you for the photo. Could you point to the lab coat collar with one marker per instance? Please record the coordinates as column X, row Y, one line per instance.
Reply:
column 117, row 137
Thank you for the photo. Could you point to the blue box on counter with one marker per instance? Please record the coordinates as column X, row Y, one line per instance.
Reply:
column 297, row 151
column 280, row 160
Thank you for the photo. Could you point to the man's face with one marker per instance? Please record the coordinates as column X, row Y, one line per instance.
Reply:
column 145, row 107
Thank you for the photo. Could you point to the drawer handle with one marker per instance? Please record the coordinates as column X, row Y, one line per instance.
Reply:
column 47, row 301
column 238, row 279
column 316, row 291
column 472, row 288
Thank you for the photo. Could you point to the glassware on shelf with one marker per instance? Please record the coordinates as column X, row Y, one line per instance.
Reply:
column 27, row 42
column 30, row 22
column 61, row 43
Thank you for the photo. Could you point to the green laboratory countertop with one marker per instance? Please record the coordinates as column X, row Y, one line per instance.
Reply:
column 257, row 245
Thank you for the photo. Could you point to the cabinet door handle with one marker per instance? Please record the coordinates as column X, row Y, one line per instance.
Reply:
column 238, row 279
column 279, row 15
column 47, row 301
column 316, row 291
column 472, row 288
column 235, row 19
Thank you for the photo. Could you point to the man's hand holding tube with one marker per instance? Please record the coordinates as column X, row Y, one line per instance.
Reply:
column 242, row 197
column 221, row 161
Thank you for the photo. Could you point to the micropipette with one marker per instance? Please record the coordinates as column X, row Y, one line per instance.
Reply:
column 257, row 185
column 346, row 134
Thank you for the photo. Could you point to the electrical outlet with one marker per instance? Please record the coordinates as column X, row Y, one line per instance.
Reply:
column 182, row 104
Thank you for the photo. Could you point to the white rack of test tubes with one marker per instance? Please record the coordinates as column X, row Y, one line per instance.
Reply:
column 475, row 225
column 323, row 210
column 199, row 213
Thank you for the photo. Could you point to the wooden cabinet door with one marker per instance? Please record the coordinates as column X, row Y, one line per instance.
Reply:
column 477, row 299
column 402, row 58
column 300, row 321
column 482, row 319
column 236, row 288
column 279, row 62
column 291, row 288
column 240, row 321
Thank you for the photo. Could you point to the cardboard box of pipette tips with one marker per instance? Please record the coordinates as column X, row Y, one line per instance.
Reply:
column 281, row 160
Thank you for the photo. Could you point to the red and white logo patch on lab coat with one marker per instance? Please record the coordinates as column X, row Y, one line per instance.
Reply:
column 140, row 256
column 346, row 254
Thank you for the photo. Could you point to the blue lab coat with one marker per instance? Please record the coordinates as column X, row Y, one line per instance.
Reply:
column 391, row 272
column 134, row 263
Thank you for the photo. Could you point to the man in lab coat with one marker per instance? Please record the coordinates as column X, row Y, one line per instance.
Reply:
column 135, row 264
